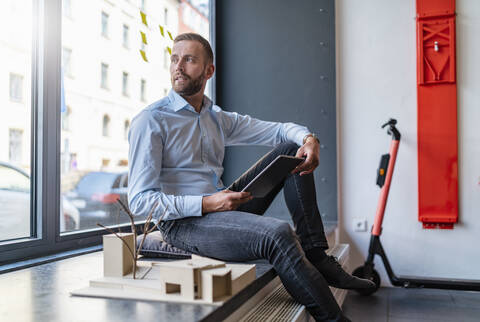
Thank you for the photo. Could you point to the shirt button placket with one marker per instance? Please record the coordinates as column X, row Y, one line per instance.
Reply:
column 202, row 139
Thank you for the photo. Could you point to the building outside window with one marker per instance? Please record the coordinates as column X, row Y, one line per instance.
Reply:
column 111, row 101
column 125, row 84
column 143, row 85
column 89, row 151
column 104, row 24
column 125, row 36
column 15, row 146
column 104, row 76
column 67, row 61
column 106, row 125
column 16, row 87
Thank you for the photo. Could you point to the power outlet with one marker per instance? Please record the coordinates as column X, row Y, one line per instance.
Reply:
column 359, row 224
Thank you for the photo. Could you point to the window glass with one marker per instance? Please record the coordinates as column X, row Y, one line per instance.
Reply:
column 143, row 85
column 125, row 36
column 104, row 24
column 104, row 76
column 125, row 83
column 106, row 125
column 126, row 126
column 16, row 87
column 95, row 129
column 15, row 123
column 66, row 62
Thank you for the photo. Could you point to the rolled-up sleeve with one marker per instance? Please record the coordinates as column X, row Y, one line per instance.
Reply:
column 145, row 165
column 246, row 130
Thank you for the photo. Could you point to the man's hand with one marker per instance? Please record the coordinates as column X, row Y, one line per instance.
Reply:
column 224, row 200
column 310, row 150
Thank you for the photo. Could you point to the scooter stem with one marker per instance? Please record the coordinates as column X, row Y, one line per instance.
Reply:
column 382, row 202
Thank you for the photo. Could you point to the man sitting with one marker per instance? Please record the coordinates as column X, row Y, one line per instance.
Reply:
column 177, row 146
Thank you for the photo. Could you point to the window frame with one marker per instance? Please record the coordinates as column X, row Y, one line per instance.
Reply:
column 46, row 238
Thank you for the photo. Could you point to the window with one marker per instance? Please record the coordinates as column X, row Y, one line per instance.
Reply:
column 165, row 17
column 104, row 76
column 15, row 146
column 14, row 189
column 125, row 84
column 106, row 125
column 16, row 87
column 66, row 61
column 125, row 36
column 16, row 125
column 66, row 119
column 166, row 59
column 81, row 154
column 143, row 85
column 67, row 8
column 104, row 24
column 126, row 126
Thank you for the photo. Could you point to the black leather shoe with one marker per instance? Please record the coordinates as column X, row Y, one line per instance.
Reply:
column 337, row 277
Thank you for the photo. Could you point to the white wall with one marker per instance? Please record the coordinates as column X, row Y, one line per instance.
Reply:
column 376, row 68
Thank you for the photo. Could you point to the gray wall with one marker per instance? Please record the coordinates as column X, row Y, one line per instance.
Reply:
column 276, row 61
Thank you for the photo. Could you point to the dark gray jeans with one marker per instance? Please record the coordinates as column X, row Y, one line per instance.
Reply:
column 245, row 235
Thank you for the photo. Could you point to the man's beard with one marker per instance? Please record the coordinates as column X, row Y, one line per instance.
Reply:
column 192, row 87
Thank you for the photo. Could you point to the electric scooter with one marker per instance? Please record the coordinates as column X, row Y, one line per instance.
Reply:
column 384, row 179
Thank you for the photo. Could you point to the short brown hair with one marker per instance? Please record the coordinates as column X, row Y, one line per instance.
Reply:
column 196, row 37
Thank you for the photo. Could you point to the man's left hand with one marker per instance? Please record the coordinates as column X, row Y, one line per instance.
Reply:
column 310, row 150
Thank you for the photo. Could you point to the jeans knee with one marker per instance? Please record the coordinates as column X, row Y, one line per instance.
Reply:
column 288, row 148
column 283, row 232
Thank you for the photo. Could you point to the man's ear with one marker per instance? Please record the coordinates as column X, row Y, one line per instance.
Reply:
column 209, row 71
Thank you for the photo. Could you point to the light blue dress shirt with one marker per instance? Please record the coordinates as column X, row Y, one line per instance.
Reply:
column 176, row 154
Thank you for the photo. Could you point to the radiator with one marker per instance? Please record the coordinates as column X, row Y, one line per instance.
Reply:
column 274, row 304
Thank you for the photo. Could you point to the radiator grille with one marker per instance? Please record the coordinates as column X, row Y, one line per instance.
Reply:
column 277, row 306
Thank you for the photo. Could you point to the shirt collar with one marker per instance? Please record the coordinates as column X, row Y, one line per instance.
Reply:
column 177, row 102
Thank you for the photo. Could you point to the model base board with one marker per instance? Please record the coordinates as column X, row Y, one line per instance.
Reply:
column 199, row 280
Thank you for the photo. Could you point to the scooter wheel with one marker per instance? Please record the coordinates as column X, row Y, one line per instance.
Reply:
column 374, row 277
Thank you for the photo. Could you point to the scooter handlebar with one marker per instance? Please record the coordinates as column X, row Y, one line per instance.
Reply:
column 392, row 129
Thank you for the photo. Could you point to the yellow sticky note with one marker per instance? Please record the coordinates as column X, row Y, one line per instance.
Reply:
column 144, row 18
column 144, row 37
column 170, row 35
column 144, row 56
column 161, row 31
column 169, row 50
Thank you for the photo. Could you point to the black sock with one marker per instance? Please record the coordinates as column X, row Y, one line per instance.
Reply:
column 315, row 254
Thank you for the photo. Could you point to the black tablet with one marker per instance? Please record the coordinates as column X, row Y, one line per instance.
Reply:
column 272, row 175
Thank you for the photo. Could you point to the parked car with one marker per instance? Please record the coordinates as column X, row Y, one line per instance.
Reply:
column 15, row 197
column 95, row 196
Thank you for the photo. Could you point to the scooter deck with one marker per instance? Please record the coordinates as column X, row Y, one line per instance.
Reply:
column 437, row 283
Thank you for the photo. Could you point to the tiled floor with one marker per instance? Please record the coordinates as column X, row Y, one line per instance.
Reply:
column 413, row 305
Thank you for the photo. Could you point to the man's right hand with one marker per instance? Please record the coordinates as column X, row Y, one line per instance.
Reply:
column 224, row 200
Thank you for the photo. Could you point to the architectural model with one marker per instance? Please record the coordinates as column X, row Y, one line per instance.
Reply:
column 196, row 280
